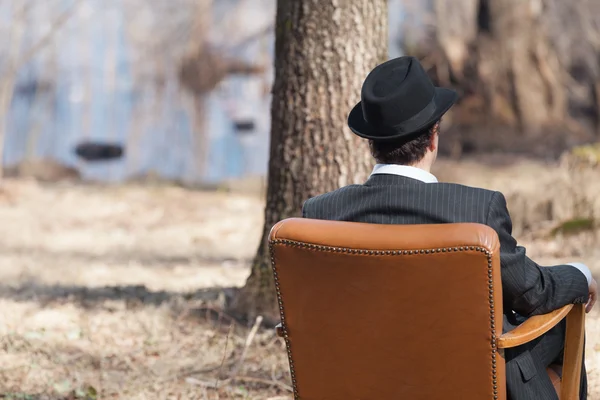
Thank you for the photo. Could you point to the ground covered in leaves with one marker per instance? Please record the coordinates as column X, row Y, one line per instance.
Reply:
column 115, row 292
column 110, row 293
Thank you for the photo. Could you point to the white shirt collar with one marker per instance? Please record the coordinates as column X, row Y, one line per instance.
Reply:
column 405, row 170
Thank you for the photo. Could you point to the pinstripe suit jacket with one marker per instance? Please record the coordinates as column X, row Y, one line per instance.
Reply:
column 527, row 288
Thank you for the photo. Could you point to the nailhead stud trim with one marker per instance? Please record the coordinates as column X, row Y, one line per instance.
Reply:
column 292, row 243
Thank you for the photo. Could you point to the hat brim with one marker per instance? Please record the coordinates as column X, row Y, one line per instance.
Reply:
column 444, row 99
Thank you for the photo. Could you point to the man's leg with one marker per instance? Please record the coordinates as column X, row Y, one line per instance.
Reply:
column 526, row 375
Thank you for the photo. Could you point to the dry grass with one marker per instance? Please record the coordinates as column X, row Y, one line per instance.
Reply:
column 109, row 292
column 102, row 293
column 135, row 352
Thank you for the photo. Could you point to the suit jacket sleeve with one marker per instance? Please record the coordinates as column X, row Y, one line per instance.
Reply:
column 527, row 288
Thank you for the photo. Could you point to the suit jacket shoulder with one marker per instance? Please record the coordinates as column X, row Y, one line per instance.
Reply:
column 312, row 205
column 399, row 200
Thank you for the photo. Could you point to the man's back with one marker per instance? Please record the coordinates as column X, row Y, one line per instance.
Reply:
column 394, row 199
column 528, row 289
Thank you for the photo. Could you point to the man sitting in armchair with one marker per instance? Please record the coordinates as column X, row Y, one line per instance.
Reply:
column 400, row 113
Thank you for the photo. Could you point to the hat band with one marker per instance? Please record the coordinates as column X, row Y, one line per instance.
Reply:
column 413, row 123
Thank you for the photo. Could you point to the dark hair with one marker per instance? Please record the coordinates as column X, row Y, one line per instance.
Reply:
column 403, row 152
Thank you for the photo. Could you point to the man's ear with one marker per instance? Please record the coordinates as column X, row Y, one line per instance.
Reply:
column 433, row 142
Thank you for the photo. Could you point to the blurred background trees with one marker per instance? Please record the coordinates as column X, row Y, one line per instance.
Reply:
column 183, row 86
column 527, row 70
column 16, row 57
column 168, row 80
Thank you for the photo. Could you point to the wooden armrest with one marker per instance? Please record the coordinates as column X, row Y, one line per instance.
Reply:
column 573, row 353
column 533, row 328
column 279, row 330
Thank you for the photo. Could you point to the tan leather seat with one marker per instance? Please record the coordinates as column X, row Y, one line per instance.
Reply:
column 377, row 312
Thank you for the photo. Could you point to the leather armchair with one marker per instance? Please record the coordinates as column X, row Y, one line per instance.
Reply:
column 414, row 312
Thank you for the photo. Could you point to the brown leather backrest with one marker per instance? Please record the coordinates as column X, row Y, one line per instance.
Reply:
column 378, row 312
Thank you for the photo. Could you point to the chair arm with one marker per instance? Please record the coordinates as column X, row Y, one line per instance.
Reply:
column 574, row 342
column 279, row 330
column 573, row 353
column 532, row 328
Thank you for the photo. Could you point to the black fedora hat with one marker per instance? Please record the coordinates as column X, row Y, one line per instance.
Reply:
column 398, row 100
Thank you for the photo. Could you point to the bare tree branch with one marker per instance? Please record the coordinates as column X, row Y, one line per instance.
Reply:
column 43, row 41
column 251, row 38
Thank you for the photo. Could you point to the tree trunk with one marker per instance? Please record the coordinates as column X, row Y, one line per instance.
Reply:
column 9, row 77
column 200, row 139
column 512, row 61
column 323, row 51
column 6, row 94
